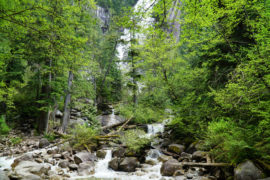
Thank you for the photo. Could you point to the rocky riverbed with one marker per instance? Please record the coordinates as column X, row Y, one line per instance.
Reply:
column 37, row 158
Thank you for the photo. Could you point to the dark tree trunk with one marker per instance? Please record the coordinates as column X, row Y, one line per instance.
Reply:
column 45, row 95
column 44, row 114
column 66, row 115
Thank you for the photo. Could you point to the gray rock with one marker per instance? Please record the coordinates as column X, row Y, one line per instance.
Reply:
column 176, row 148
column 179, row 172
column 73, row 167
column 154, row 153
column 55, row 177
column 189, row 176
column 164, row 158
column 114, row 164
column 86, row 168
column 63, row 164
column 58, row 114
column 39, row 160
column 192, row 148
column 101, row 154
column 51, row 151
column 65, row 155
column 3, row 175
column 151, row 162
column 169, row 167
column 84, row 156
column 119, row 152
column 199, row 156
column 27, row 170
column 25, row 157
column 129, row 164
column 247, row 171
column 43, row 143
column 57, row 156
column 51, row 172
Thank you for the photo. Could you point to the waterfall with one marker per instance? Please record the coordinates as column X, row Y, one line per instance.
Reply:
column 102, row 167
column 145, row 22
column 153, row 129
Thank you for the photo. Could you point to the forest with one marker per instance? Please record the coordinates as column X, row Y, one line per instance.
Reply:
column 186, row 79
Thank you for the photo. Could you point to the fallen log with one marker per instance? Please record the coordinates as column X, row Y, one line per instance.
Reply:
column 194, row 164
column 124, row 124
column 113, row 125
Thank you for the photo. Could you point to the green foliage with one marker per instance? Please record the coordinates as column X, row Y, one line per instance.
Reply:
column 142, row 114
column 135, row 140
column 82, row 137
column 116, row 4
column 229, row 143
column 50, row 136
column 15, row 140
column 4, row 129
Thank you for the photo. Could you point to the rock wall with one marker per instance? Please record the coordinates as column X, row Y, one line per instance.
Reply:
column 174, row 19
column 103, row 15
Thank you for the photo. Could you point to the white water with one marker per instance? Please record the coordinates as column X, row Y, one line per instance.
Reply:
column 122, row 48
column 153, row 129
column 103, row 171
column 113, row 119
column 5, row 162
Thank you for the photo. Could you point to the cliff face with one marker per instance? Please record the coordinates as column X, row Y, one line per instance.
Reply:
column 174, row 19
column 103, row 15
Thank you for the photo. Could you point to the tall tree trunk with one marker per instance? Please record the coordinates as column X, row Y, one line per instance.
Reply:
column 43, row 120
column 44, row 114
column 134, row 81
column 66, row 116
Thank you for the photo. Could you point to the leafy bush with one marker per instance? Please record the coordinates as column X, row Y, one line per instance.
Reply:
column 82, row 137
column 179, row 129
column 142, row 114
column 4, row 129
column 15, row 140
column 228, row 142
column 50, row 136
column 135, row 140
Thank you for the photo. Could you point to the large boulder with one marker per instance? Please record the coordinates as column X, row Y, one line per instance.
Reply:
column 169, row 167
column 176, row 148
column 199, row 156
column 101, row 154
column 192, row 147
column 25, row 157
column 43, row 143
column 84, row 156
column 129, row 164
column 114, row 164
column 3, row 175
column 63, row 164
column 247, row 171
column 119, row 152
column 164, row 158
column 86, row 168
column 26, row 170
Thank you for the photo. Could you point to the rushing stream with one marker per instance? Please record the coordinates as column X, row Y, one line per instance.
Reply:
column 102, row 170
